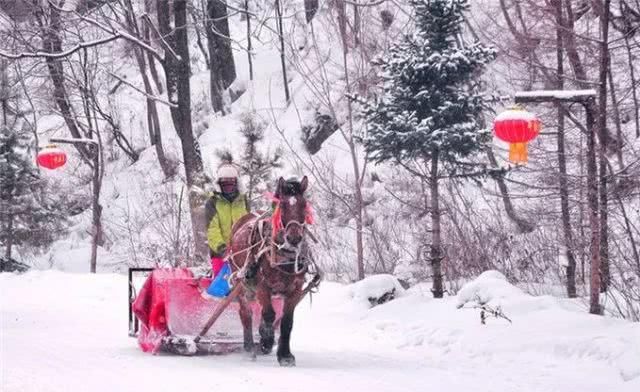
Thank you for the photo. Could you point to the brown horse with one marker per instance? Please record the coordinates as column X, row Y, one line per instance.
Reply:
column 270, row 256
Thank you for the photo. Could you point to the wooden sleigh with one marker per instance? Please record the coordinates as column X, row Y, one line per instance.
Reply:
column 170, row 311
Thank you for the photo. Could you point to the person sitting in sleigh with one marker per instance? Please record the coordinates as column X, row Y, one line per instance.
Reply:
column 223, row 209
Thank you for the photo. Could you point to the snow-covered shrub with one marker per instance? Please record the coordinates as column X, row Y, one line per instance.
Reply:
column 8, row 264
column 376, row 289
column 489, row 287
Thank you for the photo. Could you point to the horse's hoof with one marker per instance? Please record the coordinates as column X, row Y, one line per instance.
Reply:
column 266, row 339
column 248, row 347
column 289, row 361
column 251, row 355
column 266, row 347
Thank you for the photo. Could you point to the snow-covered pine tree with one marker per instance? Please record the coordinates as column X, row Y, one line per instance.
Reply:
column 257, row 166
column 26, row 217
column 429, row 111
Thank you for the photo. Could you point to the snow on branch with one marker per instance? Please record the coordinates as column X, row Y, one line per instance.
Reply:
column 118, row 33
column 58, row 55
column 372, row 3
column 73, row 140
column 84, row 45
column 554, row 95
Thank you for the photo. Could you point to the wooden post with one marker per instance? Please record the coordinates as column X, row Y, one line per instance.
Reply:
column 587, row 99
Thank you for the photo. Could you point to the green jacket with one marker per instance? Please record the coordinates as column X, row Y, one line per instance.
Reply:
column 221, row 215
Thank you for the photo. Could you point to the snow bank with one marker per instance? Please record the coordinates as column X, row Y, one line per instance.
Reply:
column 376, row 289
column 490, row 286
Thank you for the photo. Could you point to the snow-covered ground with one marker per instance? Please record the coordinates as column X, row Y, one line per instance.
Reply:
column 67, row 332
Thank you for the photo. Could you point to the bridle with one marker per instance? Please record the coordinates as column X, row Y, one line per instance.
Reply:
column 277, row 226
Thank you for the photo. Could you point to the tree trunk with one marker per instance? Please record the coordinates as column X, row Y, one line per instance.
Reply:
column 342, row 23
column 562, row 166
column 310, row 9
column 358, row 209
column 436, row 243
column 627, row 224
column 283, row 62
column 249, row 43
column 52, row 43
column 357, row 180
column 4, row 123
column 218, row 32
column 96, row 212
column 636, row 105
column 602, row 134
column 178, row 72
column 564, row 207
column 356, row 23
column 524, row 226
column 616, row 117
column 581, row 210
column 605, row 273
column 155, row 137
column 9, row 248
column 4, row 90
column 199, row 40
column 592, row 202
column 152, row 60
column 223, row 70
column 592, row 170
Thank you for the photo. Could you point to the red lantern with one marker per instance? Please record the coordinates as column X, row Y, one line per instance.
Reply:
column 52, row 157
column 517, row 127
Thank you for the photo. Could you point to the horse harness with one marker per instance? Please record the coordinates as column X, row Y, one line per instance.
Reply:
column 265, row 243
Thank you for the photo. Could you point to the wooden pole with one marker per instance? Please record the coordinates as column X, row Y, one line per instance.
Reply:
column 216, row 314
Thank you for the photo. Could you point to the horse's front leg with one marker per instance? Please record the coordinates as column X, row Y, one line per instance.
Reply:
column 268, row 317
column 247, row 322
column 285, row 358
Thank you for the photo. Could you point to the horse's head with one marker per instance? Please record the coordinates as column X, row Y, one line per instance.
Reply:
column 292, row 211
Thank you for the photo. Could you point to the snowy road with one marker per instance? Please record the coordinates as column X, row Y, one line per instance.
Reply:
column 67, row 332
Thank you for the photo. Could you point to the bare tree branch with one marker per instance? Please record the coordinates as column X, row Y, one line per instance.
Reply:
column 153, row 97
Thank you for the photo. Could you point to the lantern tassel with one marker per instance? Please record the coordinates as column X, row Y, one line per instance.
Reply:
column 518, row 153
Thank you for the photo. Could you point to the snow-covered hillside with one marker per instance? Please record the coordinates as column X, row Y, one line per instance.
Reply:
column 141, row 208
column 67, row 332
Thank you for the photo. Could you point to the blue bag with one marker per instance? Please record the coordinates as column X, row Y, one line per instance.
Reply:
column 220, row 286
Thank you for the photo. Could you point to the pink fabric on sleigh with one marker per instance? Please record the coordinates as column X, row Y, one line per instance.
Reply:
column 173, row 302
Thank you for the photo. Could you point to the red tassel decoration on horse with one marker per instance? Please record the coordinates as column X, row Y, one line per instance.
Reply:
column 308, row 216
column 276, row 221
column 276, row 218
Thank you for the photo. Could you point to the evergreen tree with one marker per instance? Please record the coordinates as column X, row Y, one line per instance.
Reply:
column 26, row 215
column 430, row 108
column 257, row 166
